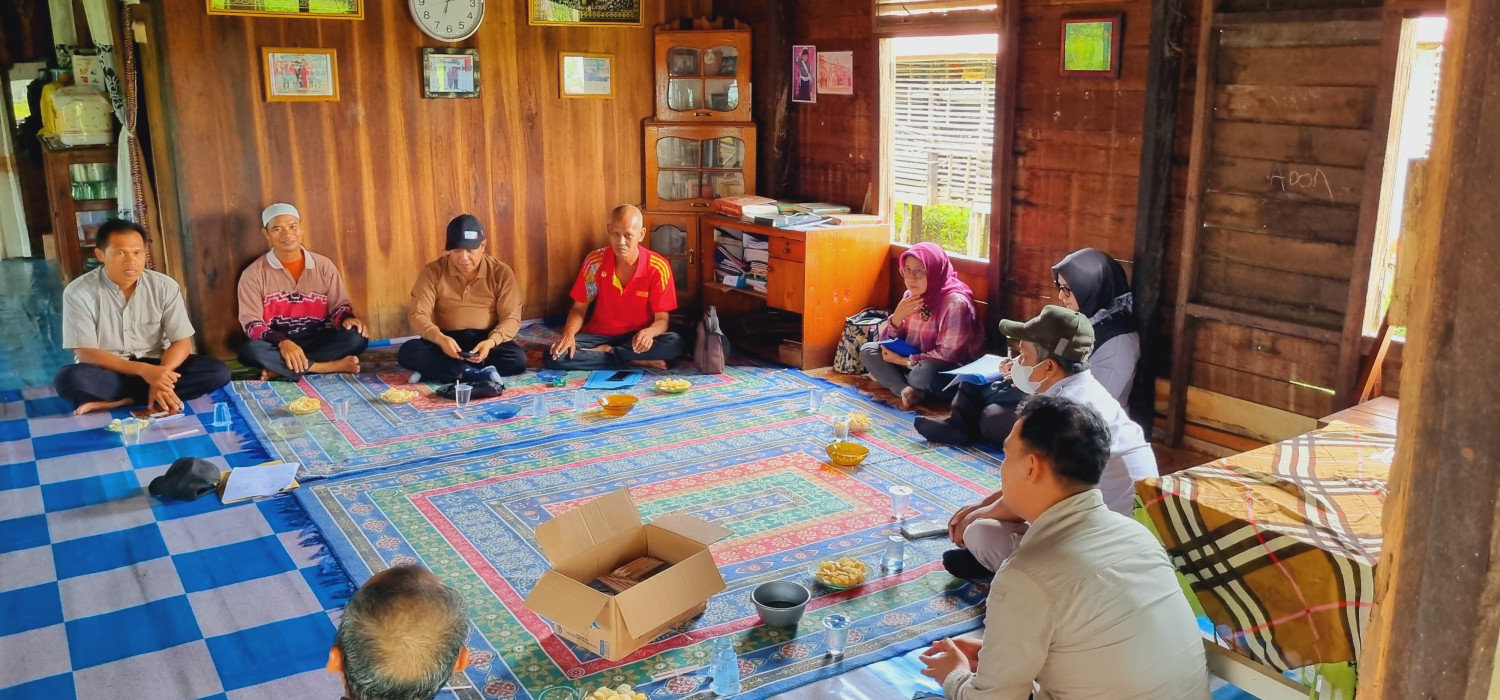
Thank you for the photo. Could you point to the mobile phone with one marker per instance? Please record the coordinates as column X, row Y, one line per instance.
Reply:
column 621, row 375
column 468, row 353
column 919, row 529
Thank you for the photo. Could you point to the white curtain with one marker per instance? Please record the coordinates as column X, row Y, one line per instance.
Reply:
column 64, row 31
column 101, row 16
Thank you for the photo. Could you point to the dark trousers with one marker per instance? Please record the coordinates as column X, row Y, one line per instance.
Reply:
column 81, row 383
column 987, row 412
column 666, row 346
column 426, row 357
column 324, row 344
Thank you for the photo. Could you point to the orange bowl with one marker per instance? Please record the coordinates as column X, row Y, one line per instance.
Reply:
column 616, row 405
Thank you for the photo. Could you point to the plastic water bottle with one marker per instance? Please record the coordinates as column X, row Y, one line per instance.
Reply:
column 726, row 668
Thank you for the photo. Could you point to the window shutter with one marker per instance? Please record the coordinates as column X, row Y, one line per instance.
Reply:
column 910, row 17
column 943, row 131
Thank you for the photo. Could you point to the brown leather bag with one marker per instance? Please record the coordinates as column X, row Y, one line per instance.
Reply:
column 712, row 349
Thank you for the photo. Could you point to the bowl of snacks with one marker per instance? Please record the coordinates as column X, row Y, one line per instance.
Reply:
column 288, row 428
column 847, row 454
column 673, row 385
column 114, row 425
column 616, row 405
column 304, row 406
column 839, row 574
column 396, row 396
column 619, row 692
column 859, row 422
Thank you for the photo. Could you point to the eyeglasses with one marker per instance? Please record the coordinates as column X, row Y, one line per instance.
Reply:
column 914, row 274
column 1063, row 288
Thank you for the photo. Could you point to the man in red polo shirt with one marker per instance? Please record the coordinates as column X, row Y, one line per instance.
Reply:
column 632, row 291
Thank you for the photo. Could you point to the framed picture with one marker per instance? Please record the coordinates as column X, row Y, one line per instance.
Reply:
column 586, row 75
column 450, row 72
column 836, row 73
column 1091, row 46
column 300, row 75
column 315, row 9
column 604, row 13
column 804, row 73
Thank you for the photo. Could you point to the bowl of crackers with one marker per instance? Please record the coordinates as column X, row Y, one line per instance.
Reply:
column 847, row 454
column 859, row 422
column 304, row 406
column 840, row 574
column 397, row 396
column 616, row 405
column 673, row 385
column 619, row 692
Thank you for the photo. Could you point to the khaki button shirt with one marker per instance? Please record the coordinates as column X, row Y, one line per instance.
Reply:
column 97, row 316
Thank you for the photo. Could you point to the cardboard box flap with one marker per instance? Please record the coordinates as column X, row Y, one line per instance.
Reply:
column 670, row 593
column 567, row 602
column 587, row 525
column 696, row 529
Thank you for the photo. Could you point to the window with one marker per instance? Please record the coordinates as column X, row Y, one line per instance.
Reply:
column 939, row 122
column 916, row 17
column 1410, row 140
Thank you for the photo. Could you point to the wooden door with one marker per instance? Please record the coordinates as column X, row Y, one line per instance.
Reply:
column 1288, row 143
column 703, row 76
column 675, row 237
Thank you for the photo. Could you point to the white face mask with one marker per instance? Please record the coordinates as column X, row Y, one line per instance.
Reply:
column 1020, row 375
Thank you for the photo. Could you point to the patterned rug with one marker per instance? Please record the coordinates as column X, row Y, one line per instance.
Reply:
column 758, row 469
column 429, row 428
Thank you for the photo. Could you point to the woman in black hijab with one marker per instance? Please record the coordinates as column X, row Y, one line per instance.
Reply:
column 1091, row 283
column 1094, row 284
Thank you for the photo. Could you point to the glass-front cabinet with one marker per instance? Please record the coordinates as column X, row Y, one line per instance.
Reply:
column 675, row 237
column 703, row 76
column 687, row 167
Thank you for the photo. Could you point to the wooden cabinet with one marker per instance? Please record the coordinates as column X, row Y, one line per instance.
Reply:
column 81, row 186
column 823, row 276
column 689, row 166
column 703, row 76
column 675, row 237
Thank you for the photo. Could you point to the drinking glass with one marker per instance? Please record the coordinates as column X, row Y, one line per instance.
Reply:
column 900, row 496
column 221, row 415
column 836, row 633
column 814, row 400
column 895, row 552
column 538, row 405
column 341, row 411
column 841, row 429
column 461, row 393
column 581, row 401
column 130, row 431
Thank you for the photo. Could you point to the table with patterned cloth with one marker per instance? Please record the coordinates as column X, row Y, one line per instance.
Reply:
column 1280, row 543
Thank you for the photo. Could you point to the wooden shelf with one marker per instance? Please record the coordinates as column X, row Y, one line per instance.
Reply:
column 721, row 287
column 94, row 204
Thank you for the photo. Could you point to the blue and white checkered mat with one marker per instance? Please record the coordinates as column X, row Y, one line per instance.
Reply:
column 107, row 593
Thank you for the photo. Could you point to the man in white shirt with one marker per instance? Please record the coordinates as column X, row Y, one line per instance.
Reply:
column 1088, row 605
column 1055, row 348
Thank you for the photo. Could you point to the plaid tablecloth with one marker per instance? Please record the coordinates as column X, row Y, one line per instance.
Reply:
column 1280, row 543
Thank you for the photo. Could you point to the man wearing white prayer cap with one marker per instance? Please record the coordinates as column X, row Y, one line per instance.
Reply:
column 293, row 306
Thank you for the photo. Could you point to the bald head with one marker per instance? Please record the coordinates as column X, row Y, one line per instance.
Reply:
column 401, row 636
column 626, row 229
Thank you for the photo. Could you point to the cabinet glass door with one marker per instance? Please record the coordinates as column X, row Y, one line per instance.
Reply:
column 672, row 238
column 703, row 79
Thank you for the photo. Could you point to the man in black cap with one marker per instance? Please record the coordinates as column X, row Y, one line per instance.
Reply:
column 1055, row 348
column 467, row 308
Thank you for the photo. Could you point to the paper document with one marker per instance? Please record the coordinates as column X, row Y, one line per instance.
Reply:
column 982, row 371
column 259, row 480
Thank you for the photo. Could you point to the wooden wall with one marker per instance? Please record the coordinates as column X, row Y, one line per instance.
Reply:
column 379, row 173
column 835, row 142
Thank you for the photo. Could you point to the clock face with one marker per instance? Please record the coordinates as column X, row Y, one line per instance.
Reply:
column 448, row 20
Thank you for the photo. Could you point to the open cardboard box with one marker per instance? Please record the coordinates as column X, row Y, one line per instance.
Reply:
column 599, row 536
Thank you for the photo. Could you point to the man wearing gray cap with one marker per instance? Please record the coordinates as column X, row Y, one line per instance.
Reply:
column 466, row 306
column 293, row 306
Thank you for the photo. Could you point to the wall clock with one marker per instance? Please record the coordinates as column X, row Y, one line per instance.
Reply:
column 447, row 20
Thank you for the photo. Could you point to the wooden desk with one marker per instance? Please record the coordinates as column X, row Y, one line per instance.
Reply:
column 825, row 275
column 1378, row 414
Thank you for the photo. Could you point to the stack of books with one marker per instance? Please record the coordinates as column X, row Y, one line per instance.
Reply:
column 758, row 259
column 729, row 257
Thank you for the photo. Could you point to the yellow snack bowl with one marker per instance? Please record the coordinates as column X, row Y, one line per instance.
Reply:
column 304, row 406
column 847, row 454
column 616, row 405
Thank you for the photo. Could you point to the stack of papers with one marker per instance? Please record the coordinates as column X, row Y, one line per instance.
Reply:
column 259, row 480
column 985, row 370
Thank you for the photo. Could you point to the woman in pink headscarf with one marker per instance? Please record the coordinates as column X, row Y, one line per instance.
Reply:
column 936, row 317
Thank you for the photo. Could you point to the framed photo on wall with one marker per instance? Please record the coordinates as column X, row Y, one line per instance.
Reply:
column 314, row 9
column 804, row 73
column 603, row 13
column 300, row 75
column 586, row 75
column 450, row 72
column 1091, row 46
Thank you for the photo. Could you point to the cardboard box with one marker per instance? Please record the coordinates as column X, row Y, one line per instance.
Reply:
column 599, row 536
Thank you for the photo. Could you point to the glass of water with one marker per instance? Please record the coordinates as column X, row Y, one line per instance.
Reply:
column 461, row 394
column 130, row 431
column 836, row 633
column 814, row 400
column 581, row 401
column 221, row 415
column 341, row 411
column 841, row 429
column 900, row 497
column 538, row 405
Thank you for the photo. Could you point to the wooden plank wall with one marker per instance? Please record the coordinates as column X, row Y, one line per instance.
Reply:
column 379, row 173
column 835, row 142
column 1293, row 111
